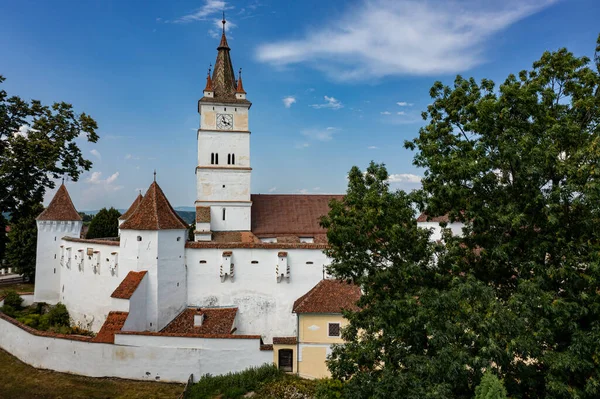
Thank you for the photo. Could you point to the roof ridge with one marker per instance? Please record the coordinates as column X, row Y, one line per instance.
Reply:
column 61, row 207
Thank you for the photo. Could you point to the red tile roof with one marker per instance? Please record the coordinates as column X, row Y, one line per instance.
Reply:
column 114, row 323
column 423, row 217
column 216, row 321
column 61, row 207
column 129, row 284
column 328, row 296
column 285, row 341
column 132, row 208
column 154, row 213
column 279, row 215
column 114, row 242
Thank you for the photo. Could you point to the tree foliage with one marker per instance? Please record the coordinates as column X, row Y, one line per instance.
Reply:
column 104, row 224
column 518, row 291
column 491, row 387
column 22, row 240
column 37, row 145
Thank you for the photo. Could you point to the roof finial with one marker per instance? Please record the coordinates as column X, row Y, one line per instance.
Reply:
column 224, row 22
column 63, row 180
column 240, row 73
column 155, row 175
column 209, row 69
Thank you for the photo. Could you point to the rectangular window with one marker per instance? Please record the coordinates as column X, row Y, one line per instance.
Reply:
column 223, row 213
column 334, row 329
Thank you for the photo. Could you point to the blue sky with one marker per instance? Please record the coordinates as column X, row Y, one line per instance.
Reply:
column 333, row 83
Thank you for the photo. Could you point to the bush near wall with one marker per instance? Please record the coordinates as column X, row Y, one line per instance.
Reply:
column 40, row 316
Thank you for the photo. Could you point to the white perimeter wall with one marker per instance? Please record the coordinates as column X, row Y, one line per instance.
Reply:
column 265, row 306
column 141, row 358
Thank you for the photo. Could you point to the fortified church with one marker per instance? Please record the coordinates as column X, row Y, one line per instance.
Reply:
column 255, row 264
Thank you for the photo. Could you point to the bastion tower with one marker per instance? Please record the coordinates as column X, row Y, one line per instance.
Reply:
column 223, row 172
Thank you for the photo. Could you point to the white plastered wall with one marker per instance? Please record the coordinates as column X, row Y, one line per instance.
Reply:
column 436, row 235
column 48, row 252
column 264, row 306
column 87, row 294
column 223, row 143
column 171, row 273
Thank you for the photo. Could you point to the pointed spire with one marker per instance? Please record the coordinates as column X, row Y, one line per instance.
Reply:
column 133, row 207
column 209, row 86
column 240, row 86
column 61, row 207
column 154, row 213
column 223, row 78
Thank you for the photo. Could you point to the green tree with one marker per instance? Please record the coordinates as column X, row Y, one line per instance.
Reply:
column 104, row 224
column 37, row 145
column 22, row 240
column 518, row 291
column 3, row 238
column 491, row 387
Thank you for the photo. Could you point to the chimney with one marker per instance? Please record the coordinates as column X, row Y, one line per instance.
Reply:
column 198, row 319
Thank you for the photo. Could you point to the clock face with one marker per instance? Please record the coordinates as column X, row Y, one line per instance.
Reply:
column 225, row 121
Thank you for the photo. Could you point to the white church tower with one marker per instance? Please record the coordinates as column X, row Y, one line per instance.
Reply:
column 58, row 220
column 223, row 172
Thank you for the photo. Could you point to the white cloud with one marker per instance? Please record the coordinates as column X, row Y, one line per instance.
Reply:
column 96, row 153
column 404, row 104
column 217, row 29
column 288, row 101
column 401, row 113
column 272, row 189
column 372, row 147
column 330, row 102
column 385, row 113
column 209, row 8
column 401, row 37
column 404, row 178
column 320, row 134
column 302, row 146
column 302, row 191
column 95, row 179
column 129, row 156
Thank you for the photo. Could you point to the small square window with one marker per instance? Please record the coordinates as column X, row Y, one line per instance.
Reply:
column 334, row 329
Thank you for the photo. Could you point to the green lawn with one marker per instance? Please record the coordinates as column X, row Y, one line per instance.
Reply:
column 16, row 287
column 18, row 380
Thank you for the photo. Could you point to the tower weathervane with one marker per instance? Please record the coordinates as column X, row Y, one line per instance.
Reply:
column 155, row 175
column 224, row 22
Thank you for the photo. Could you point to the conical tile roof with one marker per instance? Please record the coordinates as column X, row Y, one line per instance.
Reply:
column 154, row 213
column 61, row 207
column 132, row 208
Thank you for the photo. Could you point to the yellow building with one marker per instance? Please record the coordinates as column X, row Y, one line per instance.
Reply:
column 320, row 321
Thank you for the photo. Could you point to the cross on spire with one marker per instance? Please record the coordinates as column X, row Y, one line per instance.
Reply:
column 224, row 22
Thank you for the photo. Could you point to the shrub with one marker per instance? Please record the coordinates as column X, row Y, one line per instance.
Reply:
column 9, row 311
column 234, row 385
column 31, row 320
column 490, row 387
column 13, row 299
column 59, row 316
column 288, row 388
column 328, row 388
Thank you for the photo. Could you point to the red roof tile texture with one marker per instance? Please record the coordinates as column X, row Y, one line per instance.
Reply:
column 93, row 241
column 328, row 296
column 154, row 213
column 279, row 215
column 284, row 341
column 217, row 321
column 61, row 207
column 114, row 323
column 129, row 284
column 132, row 208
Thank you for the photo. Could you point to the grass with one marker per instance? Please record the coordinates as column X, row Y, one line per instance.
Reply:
column 16, row 287
column 18, row 380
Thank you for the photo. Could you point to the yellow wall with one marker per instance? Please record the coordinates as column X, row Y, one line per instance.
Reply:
column 313, row 362
column 314, row 328
column 240, row 121
column 294, row 358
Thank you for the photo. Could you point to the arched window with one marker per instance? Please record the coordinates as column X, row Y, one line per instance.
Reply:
column 228, row 159
column 223, row 213
column 233, row 159
column 217, row 158
column 212, row 158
